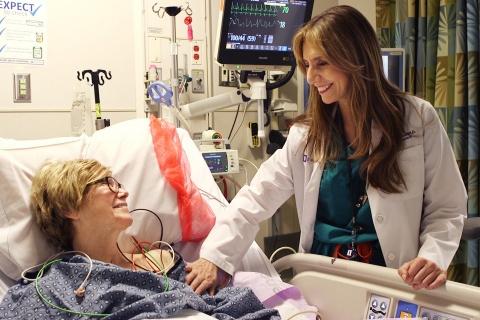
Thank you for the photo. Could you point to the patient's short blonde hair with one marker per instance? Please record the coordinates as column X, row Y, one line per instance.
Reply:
column 58, row 188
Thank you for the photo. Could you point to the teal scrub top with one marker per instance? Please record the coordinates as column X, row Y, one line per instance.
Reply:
column 340, row 191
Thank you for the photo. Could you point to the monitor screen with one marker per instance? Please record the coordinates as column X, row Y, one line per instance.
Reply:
column 260, row 32
column 217, row 162
column 394, row 66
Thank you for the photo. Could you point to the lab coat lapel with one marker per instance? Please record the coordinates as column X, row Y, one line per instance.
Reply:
column 374, row 197
column 313, row 174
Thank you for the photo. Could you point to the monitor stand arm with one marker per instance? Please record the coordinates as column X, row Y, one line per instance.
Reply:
column 255, row 89
column 258, row 93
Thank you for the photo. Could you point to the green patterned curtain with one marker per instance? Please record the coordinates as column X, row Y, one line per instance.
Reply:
column 441, row 41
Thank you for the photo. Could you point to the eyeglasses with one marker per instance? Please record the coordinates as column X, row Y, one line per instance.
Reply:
column 111, row 182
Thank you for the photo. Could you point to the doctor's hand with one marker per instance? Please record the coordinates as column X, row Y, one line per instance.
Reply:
column 203, row 275
column 422, row 273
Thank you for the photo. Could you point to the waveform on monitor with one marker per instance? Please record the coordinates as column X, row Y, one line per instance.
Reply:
column 253, row 22
column 254, row 9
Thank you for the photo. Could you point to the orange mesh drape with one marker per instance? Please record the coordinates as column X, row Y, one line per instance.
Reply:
column 196, row 217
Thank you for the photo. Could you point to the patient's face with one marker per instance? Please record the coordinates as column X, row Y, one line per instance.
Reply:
column 106, row 208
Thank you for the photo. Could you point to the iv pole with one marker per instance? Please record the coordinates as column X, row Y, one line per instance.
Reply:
column 96, row 79
column 172, row 12
column 255, row 81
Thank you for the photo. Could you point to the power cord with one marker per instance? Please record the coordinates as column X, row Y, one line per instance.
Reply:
column 315, row 312
column 79, row 292
column 211, row 197
column 246, row 174
column 280, row 249
column 155, row 215
column 234, row 121
column 248, row 161
column 241, row 122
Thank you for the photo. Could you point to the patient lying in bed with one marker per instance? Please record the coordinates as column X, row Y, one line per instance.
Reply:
column 129, row 149
column 79, row 206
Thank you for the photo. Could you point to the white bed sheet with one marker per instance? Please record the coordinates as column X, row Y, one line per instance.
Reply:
column 5, row 283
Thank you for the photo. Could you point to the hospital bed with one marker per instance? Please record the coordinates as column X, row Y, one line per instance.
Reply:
column 343, row 289
column 339, row 289
column 126, row 149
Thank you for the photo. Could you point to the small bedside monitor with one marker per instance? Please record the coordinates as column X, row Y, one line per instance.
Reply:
column 394, row 66
column 255, row 33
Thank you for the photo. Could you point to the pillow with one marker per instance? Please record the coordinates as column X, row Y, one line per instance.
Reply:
column 21, row 242
column 127, row 149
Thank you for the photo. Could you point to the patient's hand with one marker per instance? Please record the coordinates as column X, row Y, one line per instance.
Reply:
column 422, row 273
column 203, row 275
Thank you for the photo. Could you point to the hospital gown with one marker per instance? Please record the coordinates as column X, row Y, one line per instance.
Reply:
column 124, row 294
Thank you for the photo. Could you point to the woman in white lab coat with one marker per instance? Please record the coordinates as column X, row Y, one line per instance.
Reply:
column 372, row 170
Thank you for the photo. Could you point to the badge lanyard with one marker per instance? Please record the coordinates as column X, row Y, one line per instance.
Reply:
column 352, row 251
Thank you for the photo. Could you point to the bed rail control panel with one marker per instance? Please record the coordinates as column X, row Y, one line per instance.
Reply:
column 378, row 307
column 381, row 307
column 406, row 310
column 223, row 161
column 430, row 314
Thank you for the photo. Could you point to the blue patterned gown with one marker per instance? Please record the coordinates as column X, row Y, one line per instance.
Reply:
column 123, row 294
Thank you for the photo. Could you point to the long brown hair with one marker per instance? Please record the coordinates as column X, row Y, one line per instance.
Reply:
column 347, row 41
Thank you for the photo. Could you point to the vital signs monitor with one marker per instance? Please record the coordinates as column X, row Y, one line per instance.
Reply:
column 257, row 33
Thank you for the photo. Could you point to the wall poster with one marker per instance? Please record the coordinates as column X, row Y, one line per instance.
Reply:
column 23, row 31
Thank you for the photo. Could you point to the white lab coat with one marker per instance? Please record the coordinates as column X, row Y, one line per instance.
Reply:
column 425, row 220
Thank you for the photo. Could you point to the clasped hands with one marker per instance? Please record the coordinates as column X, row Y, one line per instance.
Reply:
column 421, row 273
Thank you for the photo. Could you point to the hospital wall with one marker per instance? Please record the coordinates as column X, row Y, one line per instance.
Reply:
column 107, row 35
column 79, row 35
column 125, row 38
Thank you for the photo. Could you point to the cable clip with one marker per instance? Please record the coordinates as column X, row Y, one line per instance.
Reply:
column 79, row 292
